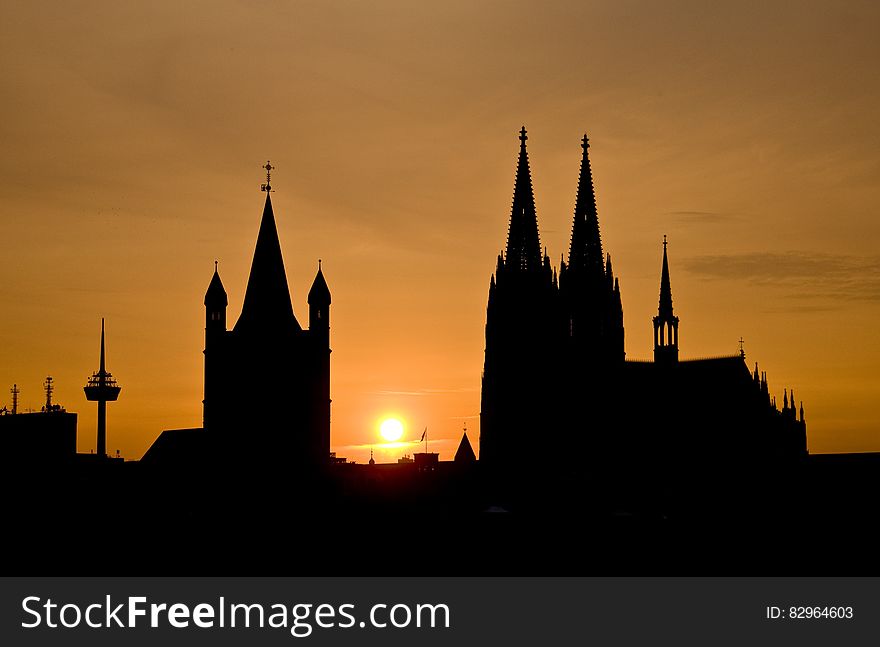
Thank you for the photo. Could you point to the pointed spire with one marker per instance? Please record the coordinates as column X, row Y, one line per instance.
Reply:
column 216, row 294
column 585, row 253
column 665, row 310
column 784, row 399
column 802, row 411
column 465, row 453
column 523, row 242
column 319, row 294
column 267, row 298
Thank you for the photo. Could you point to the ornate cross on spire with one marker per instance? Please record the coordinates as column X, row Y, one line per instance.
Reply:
column 742, row 351
column 522, row 135
column 585, row 142
column 664, row 242
column 269, row 168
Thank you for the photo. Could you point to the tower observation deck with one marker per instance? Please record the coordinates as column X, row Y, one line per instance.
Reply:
column 102, row 388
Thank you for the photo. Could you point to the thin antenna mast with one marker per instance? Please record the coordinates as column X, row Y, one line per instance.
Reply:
column 47, row 385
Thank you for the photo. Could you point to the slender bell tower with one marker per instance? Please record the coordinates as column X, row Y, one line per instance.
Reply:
column 665, row 323
column 319, row 331
column 102, row 388
column 216, row 302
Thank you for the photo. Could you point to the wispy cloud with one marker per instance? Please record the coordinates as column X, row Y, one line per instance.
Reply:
column 803, row 275
column 403, row 444
column 423, row 392
column 701, row 217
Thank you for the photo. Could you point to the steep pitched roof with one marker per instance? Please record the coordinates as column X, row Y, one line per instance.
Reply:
column 267, row 299
column 465, row 453
column 523, row 242
column 585, row 253
column 665, row 309
column 216, row 294
column 319, row 293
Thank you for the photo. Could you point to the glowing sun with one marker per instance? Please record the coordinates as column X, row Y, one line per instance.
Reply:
column 391, row 429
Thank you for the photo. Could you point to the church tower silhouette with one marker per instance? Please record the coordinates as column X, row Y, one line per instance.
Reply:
column 267, row 381
column 553, row 344
column 590, row 293
column 665, row 323
column 517, row 394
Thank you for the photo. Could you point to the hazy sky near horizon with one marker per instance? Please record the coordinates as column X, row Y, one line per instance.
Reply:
column 133, row 136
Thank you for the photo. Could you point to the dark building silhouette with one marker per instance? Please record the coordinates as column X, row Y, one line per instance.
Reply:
column 465, row 453
column 44, row 438
column 523, row 332
column 267, row 380
column 555, row 365
column 552, row 342
column 665, row 323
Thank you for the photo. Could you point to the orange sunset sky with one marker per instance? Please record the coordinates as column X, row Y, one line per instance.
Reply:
column 133, row 136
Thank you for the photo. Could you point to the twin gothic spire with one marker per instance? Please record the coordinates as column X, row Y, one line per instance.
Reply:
column 589, row 304
column 523, row 242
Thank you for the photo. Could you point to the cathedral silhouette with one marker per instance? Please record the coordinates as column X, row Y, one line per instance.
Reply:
column 555, row 365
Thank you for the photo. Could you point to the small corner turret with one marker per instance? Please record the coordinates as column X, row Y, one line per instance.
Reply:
column 319, row 303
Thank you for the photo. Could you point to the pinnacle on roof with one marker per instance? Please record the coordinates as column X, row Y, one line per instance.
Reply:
column 267, row 298
column 216, row 294
column 585, row 253
column 465, row 453
column 319, row 293
column 665, row 310
column 523, row 242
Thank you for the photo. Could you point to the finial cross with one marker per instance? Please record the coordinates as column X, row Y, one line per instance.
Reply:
column 585, row 142
column 269, row 168
column 741, row 350
column 522, row 135
column 664, row 241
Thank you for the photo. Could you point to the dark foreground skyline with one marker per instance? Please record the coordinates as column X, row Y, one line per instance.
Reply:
column 677, row 466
